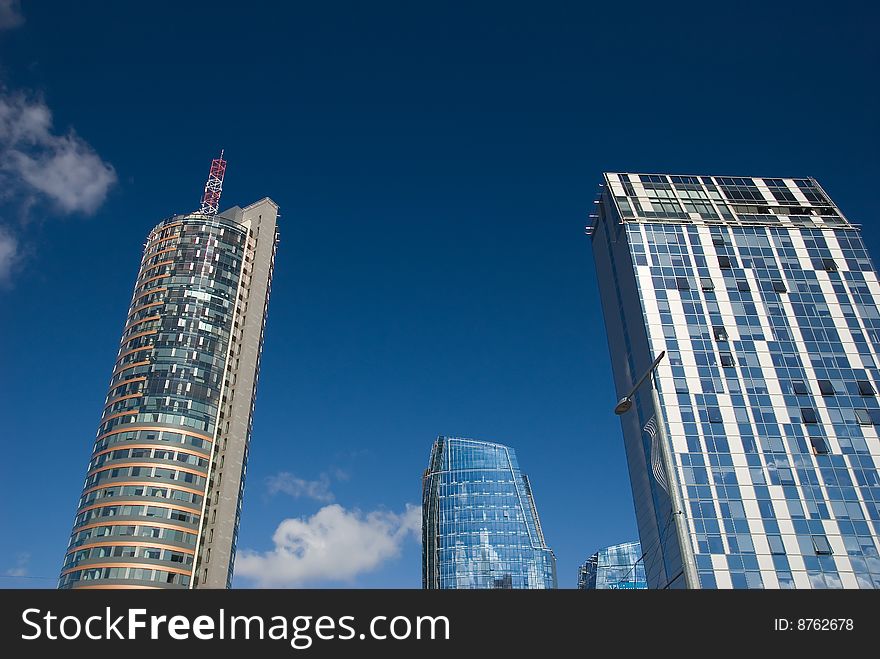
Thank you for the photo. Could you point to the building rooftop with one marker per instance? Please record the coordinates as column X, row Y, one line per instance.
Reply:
column 718, row 200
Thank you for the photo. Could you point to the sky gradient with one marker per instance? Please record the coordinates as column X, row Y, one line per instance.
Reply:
column 435, row 166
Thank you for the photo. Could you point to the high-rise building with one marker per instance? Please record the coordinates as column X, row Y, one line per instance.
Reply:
column 765, row 301
column 480, row 527
column 618, row 567
column 161, row 502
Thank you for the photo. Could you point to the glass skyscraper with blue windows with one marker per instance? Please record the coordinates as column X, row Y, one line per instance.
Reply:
column 480, row 527
column 161, row 501
column 765, row 300
column 618, row 567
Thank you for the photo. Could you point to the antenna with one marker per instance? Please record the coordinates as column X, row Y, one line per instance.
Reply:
column 213, row 187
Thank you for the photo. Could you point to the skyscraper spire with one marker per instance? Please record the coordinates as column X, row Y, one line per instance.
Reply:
column 213, row 187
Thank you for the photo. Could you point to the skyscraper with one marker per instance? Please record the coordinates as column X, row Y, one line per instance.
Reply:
column 480, row 527
column 618, row 567
column 765, row 302
column 162, row 497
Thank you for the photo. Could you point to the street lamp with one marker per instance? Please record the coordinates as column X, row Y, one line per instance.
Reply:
column 625, row 405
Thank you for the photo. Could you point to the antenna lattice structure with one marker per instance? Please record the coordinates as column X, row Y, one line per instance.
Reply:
column 213, row 187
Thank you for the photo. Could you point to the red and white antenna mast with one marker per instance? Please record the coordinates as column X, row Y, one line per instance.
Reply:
column 213, row 187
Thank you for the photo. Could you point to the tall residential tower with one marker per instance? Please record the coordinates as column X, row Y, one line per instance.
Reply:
column 480, row 527
column 765, row 302
column 161, row 502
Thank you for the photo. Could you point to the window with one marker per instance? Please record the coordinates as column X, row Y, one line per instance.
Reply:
column 820, row 446
column 742, row 285
column 724, row 262
column 726, row 359
column 682, row 283
column 829, row 265
column 779, row 287
column 808, row 415
column 826, row 387
column 863, row 417
column 820, row 544
column 681, row 386
column 714, row 415
column 866, row 388
column 786, row 477
column 776, row 546
column 718, row 241
column 720, row 333
column 799, row 388
column 707, row 284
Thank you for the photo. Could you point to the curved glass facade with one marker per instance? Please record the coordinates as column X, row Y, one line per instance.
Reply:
column 480, row 527
column 156, row 466
column 618, row 567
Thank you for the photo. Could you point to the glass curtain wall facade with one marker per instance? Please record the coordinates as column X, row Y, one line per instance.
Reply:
column 162, row 496
column 766, row 302
column 480, row 527
column 618, row 567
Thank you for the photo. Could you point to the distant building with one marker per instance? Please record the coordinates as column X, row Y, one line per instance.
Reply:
column 618, row 567
column 480, row 527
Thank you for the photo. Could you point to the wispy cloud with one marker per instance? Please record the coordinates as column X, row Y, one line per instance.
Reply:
column 10, row 14
column 38, row 165
column 9, row 254
column 62, row 168
column 286, row 483
column 21, row 566
column 334, row 544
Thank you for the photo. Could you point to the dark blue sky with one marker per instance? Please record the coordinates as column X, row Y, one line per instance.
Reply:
column 435, row 165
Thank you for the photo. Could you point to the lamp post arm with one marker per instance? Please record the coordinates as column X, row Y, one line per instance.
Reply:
column 647, row 374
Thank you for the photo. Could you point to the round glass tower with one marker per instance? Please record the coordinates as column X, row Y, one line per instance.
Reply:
column 163, row 487
column 480, row 526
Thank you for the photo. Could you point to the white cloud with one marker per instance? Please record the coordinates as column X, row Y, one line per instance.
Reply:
column 62, row 168
column 8, row 254
column 287, row 483
column 21, row 566
column 334, row 544
column 10, row 14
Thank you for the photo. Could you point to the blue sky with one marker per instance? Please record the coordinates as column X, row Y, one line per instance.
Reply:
column 435, row 165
